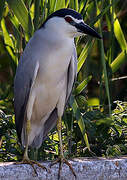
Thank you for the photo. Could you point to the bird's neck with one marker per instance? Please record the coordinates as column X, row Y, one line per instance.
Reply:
column 56, row 35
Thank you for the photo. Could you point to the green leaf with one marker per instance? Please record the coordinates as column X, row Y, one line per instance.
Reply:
column 9, row 44
column 76, row 5
column 82, row 5
column 52, row 4
column 80, row 120
column 67, row 3
column 17, row 34
column 102, row 13
column 7, row 39
column 119, row 60
column 84, row 54
column 60, row 4
column 119, row 33
column 22, row 15
column 36, row 14
column 82, row 85
column 15, row 22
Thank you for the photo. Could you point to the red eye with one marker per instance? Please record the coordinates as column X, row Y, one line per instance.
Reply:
column 68, row 19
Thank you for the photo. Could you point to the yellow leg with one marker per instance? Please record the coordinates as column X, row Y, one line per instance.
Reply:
column 61, row 158
column 28, row 128
column 26, row 159
column 59, row 128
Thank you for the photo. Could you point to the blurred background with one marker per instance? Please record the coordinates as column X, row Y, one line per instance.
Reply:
column 95, row 120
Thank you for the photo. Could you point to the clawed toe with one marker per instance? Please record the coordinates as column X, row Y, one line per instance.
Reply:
column 32, row 163
column 61, row 161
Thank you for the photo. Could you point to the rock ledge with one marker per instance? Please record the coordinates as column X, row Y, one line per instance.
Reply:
column 85, row 168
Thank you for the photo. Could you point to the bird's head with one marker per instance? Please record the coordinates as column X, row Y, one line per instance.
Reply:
column 69, row 23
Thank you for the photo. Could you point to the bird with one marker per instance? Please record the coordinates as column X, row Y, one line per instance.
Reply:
column 44, row 79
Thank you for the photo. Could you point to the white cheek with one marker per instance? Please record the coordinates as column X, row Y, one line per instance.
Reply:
column 71, row 30
column 79, row 34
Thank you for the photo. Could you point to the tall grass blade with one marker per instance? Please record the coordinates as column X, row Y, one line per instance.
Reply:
column 80, row 120
column 105, row 73
column 104, row 63
column 36, row 14
column 67, row 3
column 76, row 5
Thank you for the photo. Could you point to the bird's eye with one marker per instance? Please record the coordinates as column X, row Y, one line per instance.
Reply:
column 68, row 19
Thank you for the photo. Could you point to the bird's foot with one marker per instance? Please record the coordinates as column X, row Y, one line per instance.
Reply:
column 62, row 160
column 32, row 163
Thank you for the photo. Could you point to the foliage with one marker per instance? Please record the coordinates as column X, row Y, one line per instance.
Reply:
column 107, row 136
column 92, row 125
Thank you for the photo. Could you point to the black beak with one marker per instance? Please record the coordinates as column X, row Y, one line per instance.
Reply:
column 85, row 29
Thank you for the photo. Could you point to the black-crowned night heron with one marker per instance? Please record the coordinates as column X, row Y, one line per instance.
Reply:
column 45, row 77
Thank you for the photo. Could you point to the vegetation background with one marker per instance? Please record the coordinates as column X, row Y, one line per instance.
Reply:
column 95, row 121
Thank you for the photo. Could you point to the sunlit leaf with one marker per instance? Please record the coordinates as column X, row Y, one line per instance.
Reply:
column 76, row 5
column 84, row 54
column 82, row 85
column 119, row 60
column 8, row 42
column 119, row 33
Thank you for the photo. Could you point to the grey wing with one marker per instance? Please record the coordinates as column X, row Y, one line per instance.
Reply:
column 72, row 73
column 22, row 84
